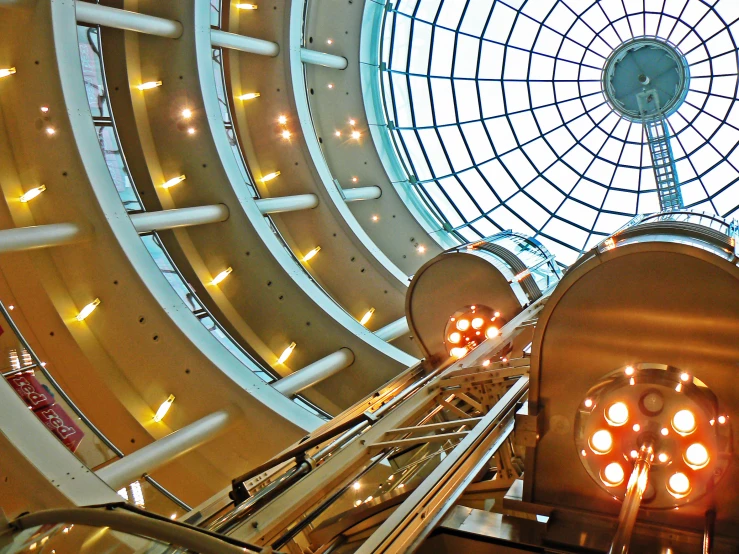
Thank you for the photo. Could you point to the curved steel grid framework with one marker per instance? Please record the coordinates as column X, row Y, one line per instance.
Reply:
column 498, row 113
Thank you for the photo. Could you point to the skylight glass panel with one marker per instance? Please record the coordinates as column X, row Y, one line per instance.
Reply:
column 499, row 111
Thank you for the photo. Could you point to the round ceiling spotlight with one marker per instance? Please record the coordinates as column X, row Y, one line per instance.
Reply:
column 641, row 406
column 468, row 327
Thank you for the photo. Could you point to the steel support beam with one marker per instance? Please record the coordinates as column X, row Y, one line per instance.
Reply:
column 287, row 203
column 315, row 372
column 95, row 14
column 145, row 460
column 394, row 330
column 361, row 193
column 180, row 217
column 242, row 43
column 40, row 236
column 331, row 61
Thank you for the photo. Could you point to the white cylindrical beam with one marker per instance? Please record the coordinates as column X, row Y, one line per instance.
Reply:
column 315, row 372
column 394, row 330
column 244, row 44
column 287, row 203
column 180, row 217
column 145, row 460
column 39, row 236
column 321, row 58
column 362, row 193
column 96, row 14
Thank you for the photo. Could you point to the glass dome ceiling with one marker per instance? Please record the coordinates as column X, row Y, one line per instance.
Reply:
column 498, row 114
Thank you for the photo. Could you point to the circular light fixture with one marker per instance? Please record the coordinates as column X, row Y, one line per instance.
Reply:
column 463, row 324
column 454, row 338
column 684, row 422
column 601, row 442
column 629, row 371
column 663, row 457
column 492, row 332
column 478, row 322
column 696, row 456
column 617, row 414
column 459, row 352
column 678, row 485
column 613, row 475
column 588, row 402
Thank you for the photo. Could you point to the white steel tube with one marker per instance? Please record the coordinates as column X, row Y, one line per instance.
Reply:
column 145, row 460
column 331, row 61
column 287, row 203
column 39, row 236
column 315, row 372
column 394, row 330
column 362, row 193
column 96, row 14
column 180, row 217
column 244, row 44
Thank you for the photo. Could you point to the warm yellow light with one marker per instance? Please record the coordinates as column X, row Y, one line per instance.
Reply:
column 356, row 135
column 221, row 276
column 149, row 85
column 421, row 249
column 478, row 322
column 282, row 119
column 191, row 131
column 50, row 131
column 696, row 456
column 7, row 71
column 629, row 371
column 492, row 332
column 45, row 109
column 463, row 324
column 721, row 419
column 455, row 337
column 312, row 253
column 458, row 352
column 246, row 6
column 249, row 96
column 678, row 485
column 357, row 503
column 330, row 85
column 356, row 486
column 286, row 353
column 337, row 133
column 33, row 193
column 663, row 457
column 685, row 377
column 588, row 402
column 375, row 218
column 286, row 134
column 366, row 317
column 164, row 408
column 87, row 310
column 352, row 122
column 329, row 41
column 270, row 176
column 355, row 179
column 617, row 414
column 187, row 113
column 174, row 181
column 613, row 474
column 601, row 442
column 636, row 427
column 684, row 422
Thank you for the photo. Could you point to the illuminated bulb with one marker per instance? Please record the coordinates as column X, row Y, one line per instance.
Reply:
column 588, row 402
column 613, row 474
column 249, row 96
column 664, row 431
column 356, row 135
column 463, row 324
column 286, row 353
column 492, row 332
column 45, row 109
column 329, row 41
column 187, row 113
column 496, row 314
column 357, row 503
column 636, row 427
column 663, row 457
column 455, row 337
column 458, row 352
column 356, row 486
column 352, row 122
column 173, row 516
column 337, row 133
column 149, row 85
column 312, row 253
column 164, row 408
column 478, row 322
column 375, row 218
column 282, row 119
column 684, row 422
column 286, row 134
column 632, row 382
column 678, row 485
column 355, row 179
column 633, row 453
column 174, row 181
column 246, row 6
column 684, row 377
column 601, row 442
column 330, row 85
column 221, row 276
column 366, row 317
column 191, row 131
column 629, row 370
column 50, row 131
column 7, row 71
column 721, row 419
column 87, row 310
column 696, row 456
column 486, row 363
column 421, row 249
column 270, row 176
column 617, row 414
column 33, row 193
column 11, row 307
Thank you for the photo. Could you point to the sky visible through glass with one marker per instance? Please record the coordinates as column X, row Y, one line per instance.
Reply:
column 498, row 113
